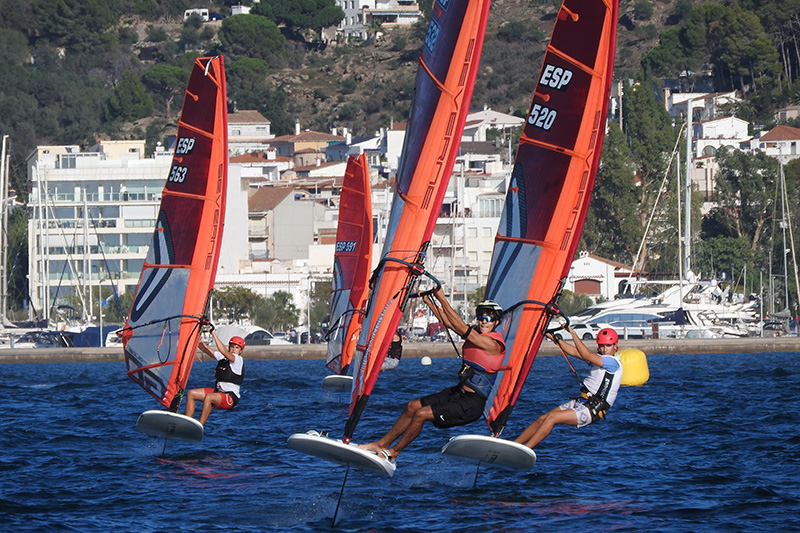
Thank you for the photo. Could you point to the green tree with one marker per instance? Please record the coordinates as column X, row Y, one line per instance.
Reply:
column 571, row 303
column 300, row 15
column 14, row 46
column 74, row 24
column 729, row 255
column 167, row 82
column 746, row 196
column 613, row 227
column 236, row 303
column 17, row 258
column 277, row 312
column 252, row 36
column 651, row 138
column 643, row 10
column 130, row 100
column 320, row 303
column 113, row 305
column 245, row 75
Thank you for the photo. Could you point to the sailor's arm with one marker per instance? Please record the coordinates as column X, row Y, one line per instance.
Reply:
column 448, row 315
column 582, row 351
column 221, row 348
column 205, row 349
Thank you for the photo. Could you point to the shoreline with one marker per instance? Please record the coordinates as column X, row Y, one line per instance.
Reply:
column 415, row 350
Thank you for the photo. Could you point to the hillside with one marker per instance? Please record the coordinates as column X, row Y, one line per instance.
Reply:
column 61, row 73
column 364, row 87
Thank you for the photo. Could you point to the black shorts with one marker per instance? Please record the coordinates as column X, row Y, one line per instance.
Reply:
column 454, row 407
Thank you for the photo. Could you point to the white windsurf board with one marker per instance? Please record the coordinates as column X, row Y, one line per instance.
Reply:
column 339, row 452
column 490, row 451
column 169, row 425
column 337, row 383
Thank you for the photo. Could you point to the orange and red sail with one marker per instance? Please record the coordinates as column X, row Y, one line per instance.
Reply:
column 551, row 185
column 446, row 76
column 352, row 264
column 163, row 328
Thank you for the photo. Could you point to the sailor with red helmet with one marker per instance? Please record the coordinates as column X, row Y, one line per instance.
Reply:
column 229, row 375
column 598, row 392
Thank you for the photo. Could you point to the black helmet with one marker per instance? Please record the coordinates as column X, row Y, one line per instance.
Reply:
column 489, row 306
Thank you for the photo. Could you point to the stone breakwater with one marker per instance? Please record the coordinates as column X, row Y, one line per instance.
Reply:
column 417, row 350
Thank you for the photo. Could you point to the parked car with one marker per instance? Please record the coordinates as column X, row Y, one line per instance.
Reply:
column 316, row 338
column 586, row 332
column 258, row 338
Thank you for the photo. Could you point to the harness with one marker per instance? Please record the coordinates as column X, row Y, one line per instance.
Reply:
column 478, row 378
column 596, row 403
column 223, row 372
column 395, row 350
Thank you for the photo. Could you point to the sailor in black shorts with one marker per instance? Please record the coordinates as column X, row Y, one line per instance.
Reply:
column 454, row 407
column 461, row 404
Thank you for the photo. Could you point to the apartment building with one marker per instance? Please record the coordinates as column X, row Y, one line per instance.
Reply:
column 92, row 217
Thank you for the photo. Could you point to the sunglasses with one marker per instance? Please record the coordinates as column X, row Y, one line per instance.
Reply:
column 485, row 318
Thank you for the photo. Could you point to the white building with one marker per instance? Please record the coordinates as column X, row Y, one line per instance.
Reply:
column 92, row 218
column 248, row 131
column 705, row 106
column 479, row 122
column 359, row 15
column 596, row 276
column 781, row 142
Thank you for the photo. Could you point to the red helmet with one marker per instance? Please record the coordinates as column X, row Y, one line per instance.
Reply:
column 607, row 336
column 238, row 341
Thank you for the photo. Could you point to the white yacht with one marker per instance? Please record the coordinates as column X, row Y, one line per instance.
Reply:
column 689, row 309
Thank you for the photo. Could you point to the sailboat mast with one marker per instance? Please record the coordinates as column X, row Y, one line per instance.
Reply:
column 787, row 222
column 680, row 221
column 687, row 227
column 3, row 229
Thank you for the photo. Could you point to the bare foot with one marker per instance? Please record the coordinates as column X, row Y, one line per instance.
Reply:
column 371, row 447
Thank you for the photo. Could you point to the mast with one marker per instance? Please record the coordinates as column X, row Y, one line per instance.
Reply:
column 786, row 221
column 687, row 247
column 3, row 230
column 88, row 316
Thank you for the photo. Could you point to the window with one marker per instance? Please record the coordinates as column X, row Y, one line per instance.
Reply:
column 67, row 161
column 491, row 207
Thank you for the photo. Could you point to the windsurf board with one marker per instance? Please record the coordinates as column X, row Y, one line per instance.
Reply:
column 339, row 452
column 169, row 425
column 491, row 451
column 337, row 383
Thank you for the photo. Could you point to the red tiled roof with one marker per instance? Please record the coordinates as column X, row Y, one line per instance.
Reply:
column 247, row 116
column 308, row 136
column 266, row 198
column 781, row 133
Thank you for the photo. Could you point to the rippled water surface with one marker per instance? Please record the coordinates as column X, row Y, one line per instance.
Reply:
column 710, row 443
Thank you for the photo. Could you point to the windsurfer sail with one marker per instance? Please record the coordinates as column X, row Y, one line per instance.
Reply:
column 448, row 66
column 352, row 263
column 163, row 328
column 550, row 187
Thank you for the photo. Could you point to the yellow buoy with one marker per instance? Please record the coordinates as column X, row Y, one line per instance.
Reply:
column 634, row 367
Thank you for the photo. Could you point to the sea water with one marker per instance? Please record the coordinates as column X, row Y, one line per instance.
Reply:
column 711, row 443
